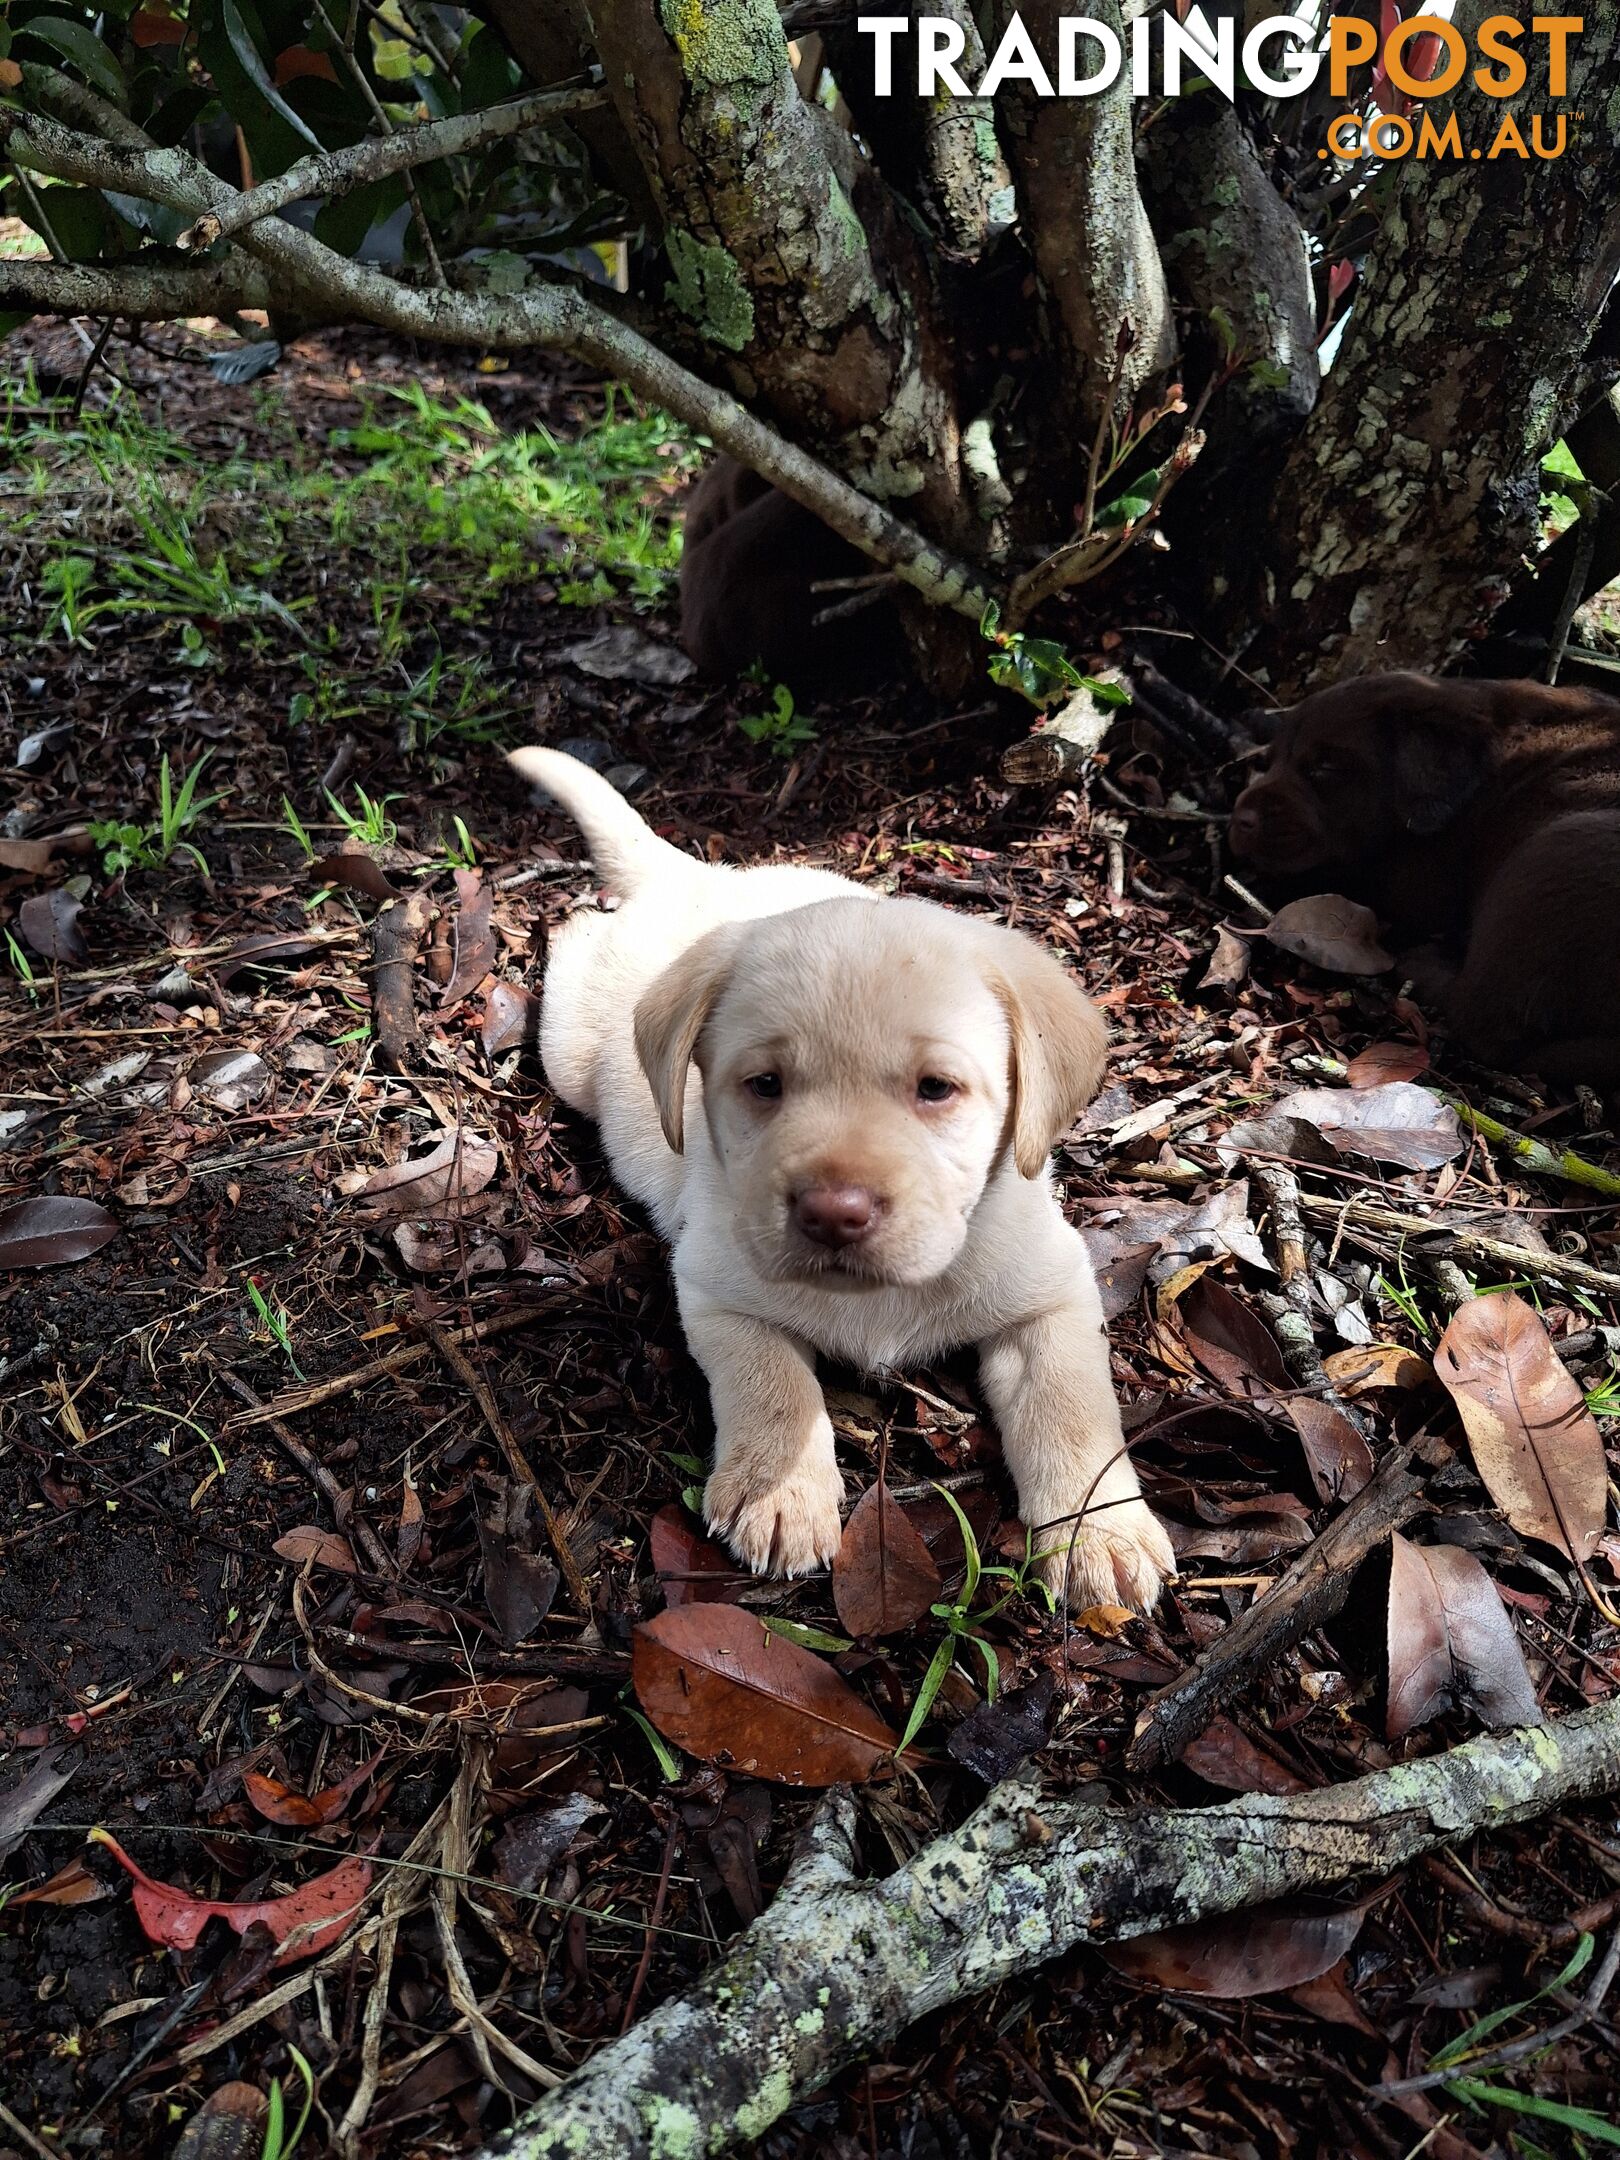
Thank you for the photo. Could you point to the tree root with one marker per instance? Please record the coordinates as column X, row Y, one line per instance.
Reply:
column 838, row 1966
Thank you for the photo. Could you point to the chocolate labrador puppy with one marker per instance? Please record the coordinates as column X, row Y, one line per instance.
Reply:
column 1482, row 821
column 749, row 564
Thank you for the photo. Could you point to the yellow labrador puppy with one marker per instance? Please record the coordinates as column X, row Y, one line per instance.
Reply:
column 838, row 1109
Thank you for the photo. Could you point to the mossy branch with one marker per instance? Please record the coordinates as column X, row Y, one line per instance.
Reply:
column 837, row 1966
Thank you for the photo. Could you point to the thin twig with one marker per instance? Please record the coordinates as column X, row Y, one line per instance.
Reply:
column 521, row 1468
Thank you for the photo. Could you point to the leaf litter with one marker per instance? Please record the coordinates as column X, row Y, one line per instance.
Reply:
column 432, row 1691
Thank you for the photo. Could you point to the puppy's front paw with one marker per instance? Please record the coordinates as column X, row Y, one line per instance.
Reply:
column 786, row 1527
column 1118, row 1556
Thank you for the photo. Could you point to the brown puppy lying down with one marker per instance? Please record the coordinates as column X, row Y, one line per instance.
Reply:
column 748, row 562
column 838, row 1109
column 1481, row 819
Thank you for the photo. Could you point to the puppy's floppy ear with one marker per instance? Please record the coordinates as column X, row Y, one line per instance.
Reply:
column 1437, row 767
column 670, row 1016
column 1059, row 1041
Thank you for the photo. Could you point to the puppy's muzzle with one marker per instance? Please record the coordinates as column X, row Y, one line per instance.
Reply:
column 836, row 1215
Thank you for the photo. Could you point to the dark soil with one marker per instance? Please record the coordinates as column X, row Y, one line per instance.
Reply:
column 150, row 1631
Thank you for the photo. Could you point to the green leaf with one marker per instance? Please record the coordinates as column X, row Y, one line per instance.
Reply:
column 970, row 1548
column 241, row 43
column 668, row 1761
column 344, row 222
column 1106, row 693
column 933, row 1681
column 81, row 48
column 807, row 1638
column 1466, row 2042
column 1580, row 2120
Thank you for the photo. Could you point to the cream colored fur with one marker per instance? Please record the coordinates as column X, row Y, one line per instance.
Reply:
column 654, row 1018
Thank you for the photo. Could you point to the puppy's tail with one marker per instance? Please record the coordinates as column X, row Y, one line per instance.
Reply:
column 624, row 848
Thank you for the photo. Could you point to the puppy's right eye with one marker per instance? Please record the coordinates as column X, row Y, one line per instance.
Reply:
column 766, row 1087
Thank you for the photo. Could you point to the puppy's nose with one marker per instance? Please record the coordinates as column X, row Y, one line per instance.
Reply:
column 1244, row 831
column 836, row 1214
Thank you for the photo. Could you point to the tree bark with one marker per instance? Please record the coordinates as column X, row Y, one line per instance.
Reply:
column 1087, row 230
column 838, row 1966
column 786, row 254
column 1406, row 503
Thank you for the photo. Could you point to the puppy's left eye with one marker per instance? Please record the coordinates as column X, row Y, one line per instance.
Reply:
column 931, row 1088
column 767, row 1087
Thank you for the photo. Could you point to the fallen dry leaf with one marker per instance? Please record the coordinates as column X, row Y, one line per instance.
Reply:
column 1245, row 1953
column 475, row 936
column 305, row 1921
column 691, row 1568
column 53, row 1230
column 1230, row 1342
column 1367, row 1366
column 1338, row 1458
column 1395, row 1122
column 458, row 1167
column 883, row 1577
column 719, row 1684
column 511, row 1016
column 1387, row 1061
column 1534, row 1442
column 324, row 1547
column 50, row 923
column 1228, row 965
column 1224, row 1755
column 1331, row 932
column 71, row 1885
column 278, row 1803
column 1449, row 1637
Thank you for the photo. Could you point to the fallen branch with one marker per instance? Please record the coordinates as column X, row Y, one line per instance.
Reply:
column 1521, row 1259
column 396, row 937
column 838, row 1965
column 1310, row 1591
column 1536, row 1156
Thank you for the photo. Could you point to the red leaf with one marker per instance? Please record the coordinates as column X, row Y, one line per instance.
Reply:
column 1223, row 1754
column 278, row 1803
column 305, row 1921
column 884, row 1577
column 1341, row 276
column 720, row 1685
column 679, row 1552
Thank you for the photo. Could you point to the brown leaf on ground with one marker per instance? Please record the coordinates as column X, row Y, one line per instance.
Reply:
column 719, row 1684
column 325, row 1547
column 1534, row 1442
column 511, row 1016
column 1338, row 1458
column 475, row 936
column 1248, row 1953
column 53, row 1230
column 883, row 1577
column 50, row 923
column 1449, row 1636
column 1365, row 1367
column 457, row 1168
column 692, row 1569
column 1387, row 1061
column 1331, row 932
column 1230, row 1342
column 1224, row 1755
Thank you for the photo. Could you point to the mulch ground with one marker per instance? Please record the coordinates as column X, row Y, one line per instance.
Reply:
column 272, row 1589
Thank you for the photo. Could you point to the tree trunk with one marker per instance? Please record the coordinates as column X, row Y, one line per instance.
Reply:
column 786, row 252
column 1412, row 494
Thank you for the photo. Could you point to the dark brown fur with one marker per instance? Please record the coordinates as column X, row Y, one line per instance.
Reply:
column 1482, row 821
column 749, row 560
